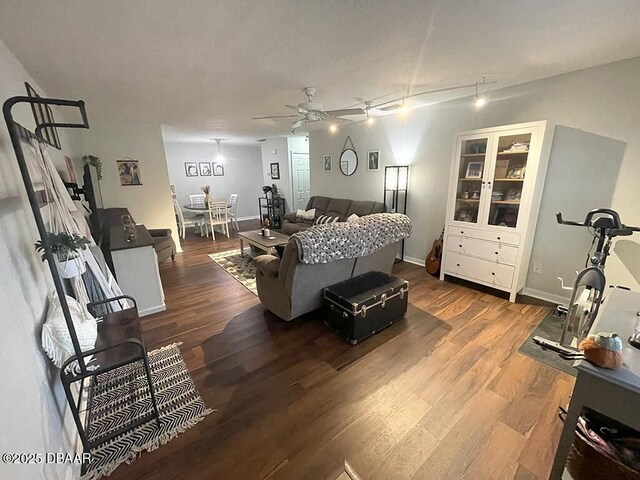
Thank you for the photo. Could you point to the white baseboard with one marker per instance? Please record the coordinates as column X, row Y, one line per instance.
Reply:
column 149, row 311
column 415, row 261
column 256, row 217
column 546, row 296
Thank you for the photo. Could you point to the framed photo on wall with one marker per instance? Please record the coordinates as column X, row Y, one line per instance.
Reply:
column 373, row 160
column 191, row 169
column 326, row 163
column 218, row 169
column 205, row 169
column 275, row 171
column 129, row 172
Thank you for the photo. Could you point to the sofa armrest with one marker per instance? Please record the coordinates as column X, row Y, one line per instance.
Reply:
column 290, row 217
column 267, row 264
column 159, row 232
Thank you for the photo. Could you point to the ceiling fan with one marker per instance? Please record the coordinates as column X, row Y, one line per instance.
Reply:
column 311, row 111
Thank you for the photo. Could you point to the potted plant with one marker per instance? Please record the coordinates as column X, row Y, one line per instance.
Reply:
column 207, row 194
column 65, row 248
column 94, row 162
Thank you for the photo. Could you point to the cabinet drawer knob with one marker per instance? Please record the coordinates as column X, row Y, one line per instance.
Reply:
column 461, row 232
column 457, row 264
column 498, row 238
column 493, row 273
column 497, row 253
column 460, row 245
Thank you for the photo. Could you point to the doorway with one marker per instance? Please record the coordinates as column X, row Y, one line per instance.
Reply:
column 300, row 179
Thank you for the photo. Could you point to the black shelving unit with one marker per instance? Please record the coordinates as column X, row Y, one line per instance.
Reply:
column 119, row 340
column 271, row 206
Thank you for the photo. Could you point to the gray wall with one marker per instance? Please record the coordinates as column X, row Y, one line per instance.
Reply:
column 602, row 100
column 242, row 173
column 33, row 410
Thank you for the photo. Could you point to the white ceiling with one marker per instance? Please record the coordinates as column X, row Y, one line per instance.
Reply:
column 204, row 68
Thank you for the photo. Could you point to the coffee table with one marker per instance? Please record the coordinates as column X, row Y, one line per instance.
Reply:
column 268, row 244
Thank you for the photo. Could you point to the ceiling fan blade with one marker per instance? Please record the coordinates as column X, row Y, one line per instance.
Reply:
column 276, row 116
column 296, row 108
column 297, row 124
column 390, row 107
column 330, row 118
column 345, row 111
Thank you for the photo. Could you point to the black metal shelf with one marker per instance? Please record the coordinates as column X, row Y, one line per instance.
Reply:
column 119, row 335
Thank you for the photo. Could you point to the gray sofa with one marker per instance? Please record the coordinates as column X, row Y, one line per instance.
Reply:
column 335, row 207
column 289, row 288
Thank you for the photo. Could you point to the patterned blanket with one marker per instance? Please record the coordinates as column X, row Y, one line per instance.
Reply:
column 336, row 241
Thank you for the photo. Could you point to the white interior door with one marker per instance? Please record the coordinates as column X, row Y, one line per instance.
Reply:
column 301, row 182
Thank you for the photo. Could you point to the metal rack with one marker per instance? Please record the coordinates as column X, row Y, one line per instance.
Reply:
column 119, row 335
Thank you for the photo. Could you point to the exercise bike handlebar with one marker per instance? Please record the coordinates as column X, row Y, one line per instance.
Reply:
column 618, row 228
column 587, row 220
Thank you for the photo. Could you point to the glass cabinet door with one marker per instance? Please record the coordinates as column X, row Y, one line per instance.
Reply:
column 471, row 172
column 510, row 166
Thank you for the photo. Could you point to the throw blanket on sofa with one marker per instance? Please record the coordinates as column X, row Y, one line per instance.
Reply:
column 336, row 241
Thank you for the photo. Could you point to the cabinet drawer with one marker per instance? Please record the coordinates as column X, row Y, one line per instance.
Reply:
column 492, row 236
column 491, row 273
column 492, row 251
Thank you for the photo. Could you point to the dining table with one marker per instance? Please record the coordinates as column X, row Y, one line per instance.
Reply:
column 201, row 208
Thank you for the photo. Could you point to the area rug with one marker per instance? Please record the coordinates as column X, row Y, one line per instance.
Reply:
column 550, row 327
column 120, row 396
column 239, row 267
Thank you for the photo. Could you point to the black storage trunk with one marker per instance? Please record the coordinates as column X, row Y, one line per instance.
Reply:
column 361, row 306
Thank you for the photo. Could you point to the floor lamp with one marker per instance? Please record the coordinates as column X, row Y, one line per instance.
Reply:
column 396, row 182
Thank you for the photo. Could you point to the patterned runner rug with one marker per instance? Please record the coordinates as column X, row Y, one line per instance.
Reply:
column 121, row 395
column 239, row 267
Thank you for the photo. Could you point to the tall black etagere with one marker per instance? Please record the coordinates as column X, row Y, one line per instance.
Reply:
column 112, row 350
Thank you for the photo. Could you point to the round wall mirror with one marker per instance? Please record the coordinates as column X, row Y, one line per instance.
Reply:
column 348, row 161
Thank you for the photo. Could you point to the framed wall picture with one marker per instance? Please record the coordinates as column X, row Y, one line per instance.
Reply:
column 191, row 169
column 373, row 160
column 129, row 172
column 275, row 171
column 204, row 169
column 326, row 163
column 474, row 170
column 218, row 169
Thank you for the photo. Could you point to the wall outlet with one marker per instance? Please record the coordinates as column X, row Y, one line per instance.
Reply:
column 537, row 267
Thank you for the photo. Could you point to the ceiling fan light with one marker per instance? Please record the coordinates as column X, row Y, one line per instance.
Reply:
column 404, row 110
column 479, row 101
column 333, row 128
column 370, row 120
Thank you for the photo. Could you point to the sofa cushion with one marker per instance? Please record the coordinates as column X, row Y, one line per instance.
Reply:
column 339, row 206
column 319, row 203
column 361, row 208
column 289, row 228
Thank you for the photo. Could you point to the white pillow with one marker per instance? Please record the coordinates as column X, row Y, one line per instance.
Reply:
column 56, row 340
column 308, row 215
column 352, row 218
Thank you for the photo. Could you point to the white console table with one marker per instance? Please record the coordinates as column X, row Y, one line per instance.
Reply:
column 136, row 269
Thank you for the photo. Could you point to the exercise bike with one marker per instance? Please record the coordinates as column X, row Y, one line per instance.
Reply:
column 588, row 290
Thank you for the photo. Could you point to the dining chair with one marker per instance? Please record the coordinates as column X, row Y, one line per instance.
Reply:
column 201, row 224
column 184, row 222
column 218, row 216
column 233, row 217
column 196, row 199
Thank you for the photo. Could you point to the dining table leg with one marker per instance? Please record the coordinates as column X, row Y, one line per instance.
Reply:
column 241, row 247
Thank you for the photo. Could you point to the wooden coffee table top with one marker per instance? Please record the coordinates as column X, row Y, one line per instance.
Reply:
column 255, row 237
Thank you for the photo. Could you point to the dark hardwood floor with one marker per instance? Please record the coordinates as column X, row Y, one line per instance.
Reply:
column 442, row 394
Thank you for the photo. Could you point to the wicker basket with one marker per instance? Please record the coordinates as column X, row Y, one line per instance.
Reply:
column 587, row 462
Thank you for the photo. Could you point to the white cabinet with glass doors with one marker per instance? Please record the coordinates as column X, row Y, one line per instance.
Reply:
column 494, row 196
